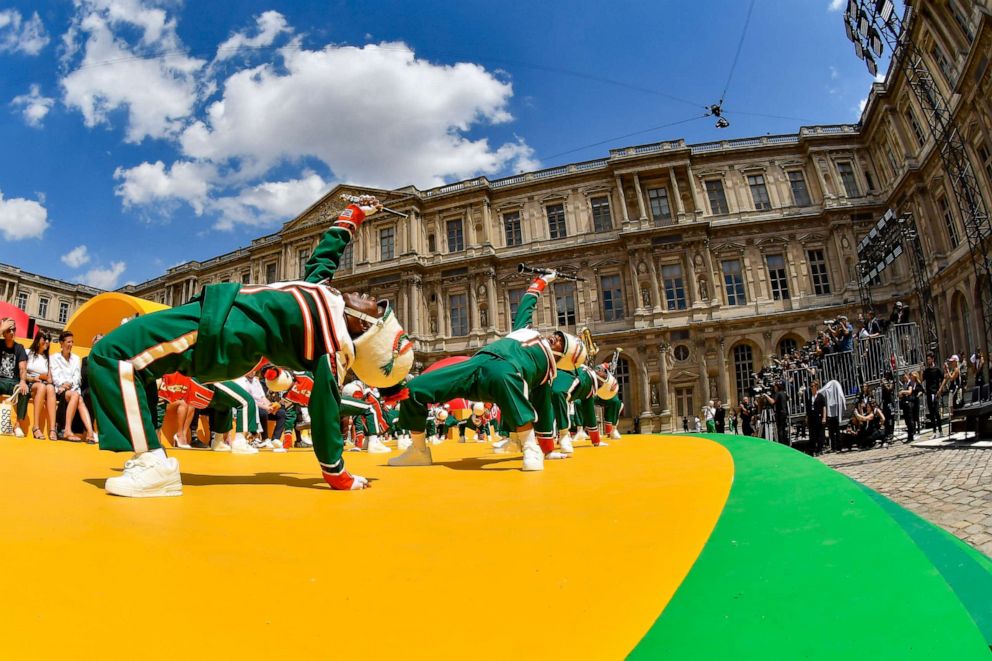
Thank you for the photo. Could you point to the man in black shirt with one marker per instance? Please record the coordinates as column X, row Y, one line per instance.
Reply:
column 781, row 403
column 932, row 378
column 720, row 418
column 13, row 370
column 817, row 418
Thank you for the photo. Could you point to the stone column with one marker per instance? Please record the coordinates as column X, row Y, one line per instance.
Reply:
column 487, row 223
column 473, row 307
column 655, row 289
column 663, row 350
column 690, row 275
column 414, row 301
column 411, row 245
column 491, row 299
column 623, row 200
column 697, row 199
column 640, row 197
column 646, row 412
column 704, row 378
column 679, row 207
column 710, row 276
column 632, row 267
column 769, row 349
column 724, row 384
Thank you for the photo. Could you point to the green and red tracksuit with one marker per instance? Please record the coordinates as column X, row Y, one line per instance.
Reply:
column 515, row 372
column 578, row 388
column 222, row 398
column 611, row 412
column 222, row 334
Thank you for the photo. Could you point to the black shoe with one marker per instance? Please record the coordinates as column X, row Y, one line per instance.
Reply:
column 198, row 444
column 300, row 444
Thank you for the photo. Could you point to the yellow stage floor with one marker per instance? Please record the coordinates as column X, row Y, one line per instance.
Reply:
column 469, row 558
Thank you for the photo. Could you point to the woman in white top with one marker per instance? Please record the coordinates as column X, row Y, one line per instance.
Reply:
column 39, row 379
column 67, row 375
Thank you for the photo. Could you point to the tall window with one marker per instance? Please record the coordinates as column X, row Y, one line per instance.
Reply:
column 387, row 243
column 347, row 257
column 565, row 303
column 43, row 307
column 661, row 210
column 246, row 277
column 514, row 296
column 612, row 289
column 818, row 272
column 623, row 381
column 270, row 273
column 556, row 221
column 63, row 312
column 671, row 276
column 869, row 181
column 800, row 194
column 986, row 157
column 733, row 280
column 786, row 346
column 915, row 126
column 456, row 238
column 302, row 255
column 718, row 199
column 602, row 221
column 458, row 309
column 743, row 369
column 941, row 61
column 952, row 229
column 778, row 278
column 22, row 300
column 683, row 404
column 511, row 228
column 759, row 193
column 846, row 172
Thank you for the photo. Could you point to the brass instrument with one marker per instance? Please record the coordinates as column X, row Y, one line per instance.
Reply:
column 615, row 360
column 355, row 199
column 523, row 268
column 587, row 340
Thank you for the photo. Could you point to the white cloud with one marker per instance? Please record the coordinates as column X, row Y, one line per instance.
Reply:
column 152, row 79
column 103, row 278
column 270, row 25
column 837, row 5
column 834, row 74
column 76, row 257
column 272, row 200
column 22, row 219
column 150, row 182
column 407, row 128
column 33, row 106
column 20, row 36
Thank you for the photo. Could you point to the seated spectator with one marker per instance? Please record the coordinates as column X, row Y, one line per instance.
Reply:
column 67, row 376
column 13, row 372
column 39, row 379
column 266, row 409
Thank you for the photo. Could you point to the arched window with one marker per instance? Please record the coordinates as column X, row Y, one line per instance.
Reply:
column 786, row 346
column 623, row 380
column 743, row 369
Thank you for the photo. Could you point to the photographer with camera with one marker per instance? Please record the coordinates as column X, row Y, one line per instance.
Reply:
column 745, row 411
column 780, row 403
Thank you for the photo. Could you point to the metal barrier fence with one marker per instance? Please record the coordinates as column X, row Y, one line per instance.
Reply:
column 842, row 367
column 797, row 385
column 906, row 344
column 874, row 359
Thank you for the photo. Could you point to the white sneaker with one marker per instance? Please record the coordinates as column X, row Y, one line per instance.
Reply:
column 615, row 434
column 533, row 457
column 240, row 446
column 581, row 435
column 413, row 457
column 375, row 446
column 566, row 444
column 222, row 446
column 551, row 456
column 406, row 442
column 146, row 476
column 436, row 440
column 506, row 446
column 18, row 432
column 602, row 444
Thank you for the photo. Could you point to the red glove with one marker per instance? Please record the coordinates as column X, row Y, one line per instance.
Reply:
column 355, row 213
column 345, row 481
column 541, row 282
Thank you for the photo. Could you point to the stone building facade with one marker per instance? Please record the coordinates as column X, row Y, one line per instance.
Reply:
column 700, row 261
column 49, row 301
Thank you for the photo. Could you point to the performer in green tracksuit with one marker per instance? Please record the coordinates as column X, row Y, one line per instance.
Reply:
column 611, row 415
column 581, row 388
column 230, row 398
column 224, row 332
column 515, row 372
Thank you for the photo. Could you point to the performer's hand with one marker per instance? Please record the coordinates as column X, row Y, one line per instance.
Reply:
column 355, row 213
column 548, row 277
column 369, row 205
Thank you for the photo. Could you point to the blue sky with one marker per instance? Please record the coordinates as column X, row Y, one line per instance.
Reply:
column 138, row 134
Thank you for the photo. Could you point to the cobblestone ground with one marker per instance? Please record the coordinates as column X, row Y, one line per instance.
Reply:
column 951, row 487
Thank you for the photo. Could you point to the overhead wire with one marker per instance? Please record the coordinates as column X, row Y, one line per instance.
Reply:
column 621, row 137
column 737, row 55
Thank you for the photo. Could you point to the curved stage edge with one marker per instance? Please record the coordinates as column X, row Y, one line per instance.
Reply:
column 675, row 547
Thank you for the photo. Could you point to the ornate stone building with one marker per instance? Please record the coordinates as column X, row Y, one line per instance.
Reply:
column 49, row 301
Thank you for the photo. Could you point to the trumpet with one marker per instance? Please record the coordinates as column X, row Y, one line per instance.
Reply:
column 523, row 268
column 615, row 360
column 591, row 347
column 356, row 199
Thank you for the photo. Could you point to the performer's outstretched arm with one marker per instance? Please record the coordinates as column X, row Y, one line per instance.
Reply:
column 528, row 303
column 326, row 257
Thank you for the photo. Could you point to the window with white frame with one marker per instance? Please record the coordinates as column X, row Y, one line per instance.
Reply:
column 556, row 221
column 671, row 277
column 733, row 280
column 949, row 224
column 22, row 300
column 513, row 298
column 611, row 287
column 63, row 312
column 778, row 278
column 743, row 369
column 818, row 272
column 43, row 307
column 602, row 221
column 511, row 228
column 759, row 192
